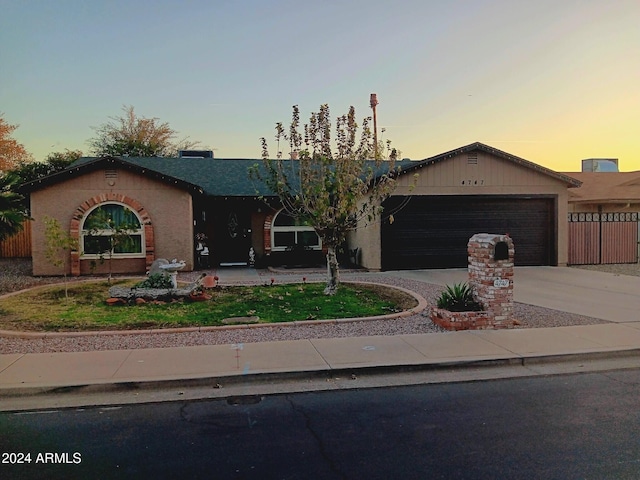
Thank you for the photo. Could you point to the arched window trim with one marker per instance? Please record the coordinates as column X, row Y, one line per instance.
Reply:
column 276, row 243
column 139, row 232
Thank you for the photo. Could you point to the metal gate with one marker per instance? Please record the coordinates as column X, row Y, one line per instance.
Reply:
column 596, row 238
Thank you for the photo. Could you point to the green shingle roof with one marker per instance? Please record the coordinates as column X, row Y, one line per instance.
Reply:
column 211, row 177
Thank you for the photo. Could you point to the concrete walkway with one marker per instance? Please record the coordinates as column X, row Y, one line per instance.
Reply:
column 615, row 298
column 606, row 296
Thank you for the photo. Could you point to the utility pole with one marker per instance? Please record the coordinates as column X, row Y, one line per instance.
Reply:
column 373, row 100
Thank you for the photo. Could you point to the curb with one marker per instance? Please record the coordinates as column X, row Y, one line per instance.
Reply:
column 259, row 378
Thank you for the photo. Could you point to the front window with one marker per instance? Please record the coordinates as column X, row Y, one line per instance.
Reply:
column 112, row 229
column 289, row 232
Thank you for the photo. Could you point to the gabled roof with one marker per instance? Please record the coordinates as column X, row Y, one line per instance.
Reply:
column 230, row 177
column 481, row 147
column 206, row 176
column 606, row 187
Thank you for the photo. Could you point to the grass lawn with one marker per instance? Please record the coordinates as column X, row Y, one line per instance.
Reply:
column 47, row 309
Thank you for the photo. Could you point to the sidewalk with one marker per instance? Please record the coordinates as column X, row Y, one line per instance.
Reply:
column 25, row 374
column 39, row 372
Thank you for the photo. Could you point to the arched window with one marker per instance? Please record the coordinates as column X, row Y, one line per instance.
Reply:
column 112, row 228
column 288, row 232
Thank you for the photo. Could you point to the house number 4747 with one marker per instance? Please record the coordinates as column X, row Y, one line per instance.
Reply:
column 473, row 182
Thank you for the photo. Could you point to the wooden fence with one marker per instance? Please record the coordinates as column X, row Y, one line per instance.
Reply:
column 603, row 238
column 19, row 245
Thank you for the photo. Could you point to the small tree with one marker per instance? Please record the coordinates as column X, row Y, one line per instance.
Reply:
column 59, row 245
column 332, row 187
column 107, row 235
column 137, row 136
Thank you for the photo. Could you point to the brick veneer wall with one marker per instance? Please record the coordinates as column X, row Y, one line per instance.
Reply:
column 267, row 234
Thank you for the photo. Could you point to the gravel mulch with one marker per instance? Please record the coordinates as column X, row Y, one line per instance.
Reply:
column 527, row 316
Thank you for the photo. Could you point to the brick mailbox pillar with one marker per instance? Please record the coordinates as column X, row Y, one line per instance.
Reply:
column 491, row 275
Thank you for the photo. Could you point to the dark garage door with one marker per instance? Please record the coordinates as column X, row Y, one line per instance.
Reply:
column 433, row 232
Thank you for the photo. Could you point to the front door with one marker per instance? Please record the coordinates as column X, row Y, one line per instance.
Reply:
column 232, row 235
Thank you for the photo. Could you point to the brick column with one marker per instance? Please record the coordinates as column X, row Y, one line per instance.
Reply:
column 267, row 234
column 491, row 274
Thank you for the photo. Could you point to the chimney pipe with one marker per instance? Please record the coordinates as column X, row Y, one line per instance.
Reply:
column 373, row 101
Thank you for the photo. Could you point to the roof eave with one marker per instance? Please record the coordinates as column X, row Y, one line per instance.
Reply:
column 96, row 163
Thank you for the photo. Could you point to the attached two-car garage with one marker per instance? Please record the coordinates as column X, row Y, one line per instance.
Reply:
column 433, row 231
column 442, row 201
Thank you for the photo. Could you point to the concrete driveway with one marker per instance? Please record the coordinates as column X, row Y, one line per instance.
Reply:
column 607, row 296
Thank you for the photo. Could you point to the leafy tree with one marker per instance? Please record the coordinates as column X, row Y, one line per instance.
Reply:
column 135, row 136
column 55, row 162
column 12, row 153
column 59, row 244
column 13, row 212
column 331, row 187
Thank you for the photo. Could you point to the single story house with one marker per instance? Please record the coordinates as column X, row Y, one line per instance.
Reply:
column 172, row 204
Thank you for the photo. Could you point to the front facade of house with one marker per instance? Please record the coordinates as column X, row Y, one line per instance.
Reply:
column 169, row 204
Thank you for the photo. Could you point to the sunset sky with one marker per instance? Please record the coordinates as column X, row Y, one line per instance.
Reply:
column 552, row 81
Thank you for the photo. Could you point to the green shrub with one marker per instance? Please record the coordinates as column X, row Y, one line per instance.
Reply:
column 458, row 298
column 157, row 280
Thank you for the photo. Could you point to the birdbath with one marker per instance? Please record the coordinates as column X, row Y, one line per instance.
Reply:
column 172, row 269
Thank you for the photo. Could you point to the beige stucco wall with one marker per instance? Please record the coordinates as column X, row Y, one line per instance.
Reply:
column 169, row 208
column 603, row 207
column 455, row 176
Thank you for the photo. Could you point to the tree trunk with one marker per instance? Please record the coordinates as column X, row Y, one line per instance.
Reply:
column 333, row 273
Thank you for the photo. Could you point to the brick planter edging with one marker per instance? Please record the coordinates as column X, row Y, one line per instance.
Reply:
column 462, row 320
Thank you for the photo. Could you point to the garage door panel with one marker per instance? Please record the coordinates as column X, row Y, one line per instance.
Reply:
column 432, row 232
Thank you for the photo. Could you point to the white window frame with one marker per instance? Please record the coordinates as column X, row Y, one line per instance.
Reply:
column 296, row 229
column 84, row 233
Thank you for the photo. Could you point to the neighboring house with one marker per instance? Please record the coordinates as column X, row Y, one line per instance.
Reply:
column 603, row 218
column 469, row 190
column 605, row 192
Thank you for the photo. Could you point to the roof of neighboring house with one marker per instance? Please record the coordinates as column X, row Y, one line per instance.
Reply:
column 606, row 187
column 230, row 177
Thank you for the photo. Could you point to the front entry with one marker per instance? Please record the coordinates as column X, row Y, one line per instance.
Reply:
column 232, row 235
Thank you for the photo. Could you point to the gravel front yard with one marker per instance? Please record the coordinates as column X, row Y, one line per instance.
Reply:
column 15, row 276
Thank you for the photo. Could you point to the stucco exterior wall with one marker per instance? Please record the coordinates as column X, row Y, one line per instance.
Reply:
column 169, row 209
column 603, row 207
column 460, row 175
column 367, row 239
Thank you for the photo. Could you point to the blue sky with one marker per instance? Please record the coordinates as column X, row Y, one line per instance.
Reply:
column 551, row 81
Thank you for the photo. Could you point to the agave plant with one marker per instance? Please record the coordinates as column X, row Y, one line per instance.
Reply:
column 458, row 298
